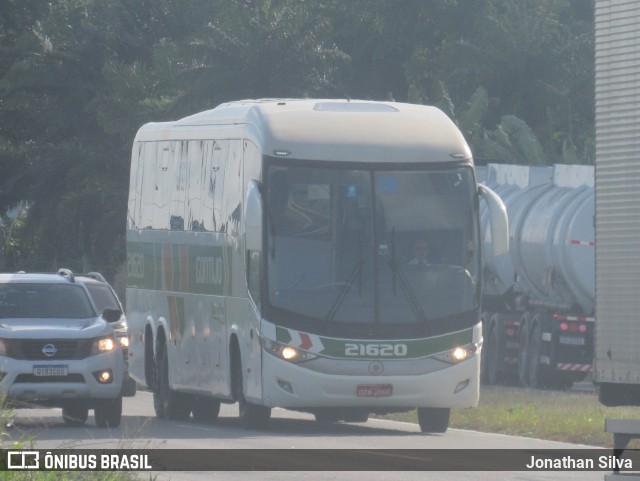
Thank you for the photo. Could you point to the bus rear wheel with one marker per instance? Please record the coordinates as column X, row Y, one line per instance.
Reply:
column 167, row 403
column 434, row 420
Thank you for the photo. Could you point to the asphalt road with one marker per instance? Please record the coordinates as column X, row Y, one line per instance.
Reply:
column 288, row 431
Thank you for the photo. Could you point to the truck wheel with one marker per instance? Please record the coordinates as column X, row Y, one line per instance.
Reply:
column 252, row 416
column 523, row 352
column 494, row 354
column 75, row 414
column 168, row 403
column 205, row 409
column 484, row 376
column 434, row 420
column 109, row 413
column 535, row 372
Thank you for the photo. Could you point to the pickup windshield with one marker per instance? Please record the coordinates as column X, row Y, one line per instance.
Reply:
column 41, row 300
column 375, row 248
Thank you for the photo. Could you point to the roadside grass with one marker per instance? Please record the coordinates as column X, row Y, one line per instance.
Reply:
column 566, row 416
column 7, row 442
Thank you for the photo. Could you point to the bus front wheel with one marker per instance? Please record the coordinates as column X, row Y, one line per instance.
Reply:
column 434, row 420
column 252, row 416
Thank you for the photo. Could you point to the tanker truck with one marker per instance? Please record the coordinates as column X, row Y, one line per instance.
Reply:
column 538, row 299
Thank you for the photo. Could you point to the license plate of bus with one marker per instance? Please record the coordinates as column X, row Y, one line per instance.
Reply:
column 375, row 390
column 45, row 371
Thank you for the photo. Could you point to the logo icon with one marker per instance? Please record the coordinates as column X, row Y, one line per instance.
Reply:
column 20, row 460
column 376, row 367
column 49, row 350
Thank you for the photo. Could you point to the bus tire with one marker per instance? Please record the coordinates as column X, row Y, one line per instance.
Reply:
column 327, row 416
column 205, row 409
column 251, row 416
column 149, row 360
column 356, row 416
column 434, row 420
column 168, row 404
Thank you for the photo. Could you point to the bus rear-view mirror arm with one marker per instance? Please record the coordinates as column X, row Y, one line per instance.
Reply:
column 253, row 217
column 498, row 220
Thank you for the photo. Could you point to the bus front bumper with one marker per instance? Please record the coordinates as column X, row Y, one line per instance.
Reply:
column 291, row 385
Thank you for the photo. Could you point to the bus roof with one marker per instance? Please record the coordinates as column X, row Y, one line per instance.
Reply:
column 342, row 130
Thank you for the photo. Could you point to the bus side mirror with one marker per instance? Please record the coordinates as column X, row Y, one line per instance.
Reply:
column 253, row 217
column 497, row 219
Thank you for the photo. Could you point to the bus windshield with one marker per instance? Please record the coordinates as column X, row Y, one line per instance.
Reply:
column 371, row 251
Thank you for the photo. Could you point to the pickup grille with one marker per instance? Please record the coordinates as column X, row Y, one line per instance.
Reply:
column 65, row 349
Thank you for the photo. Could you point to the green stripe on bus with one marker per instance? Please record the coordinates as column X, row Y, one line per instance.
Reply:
column 181, row 267
column 394, row 349
column 384, row 349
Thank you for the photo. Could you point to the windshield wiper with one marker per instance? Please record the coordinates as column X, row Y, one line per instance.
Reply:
column 405, row 287
column 356, row 272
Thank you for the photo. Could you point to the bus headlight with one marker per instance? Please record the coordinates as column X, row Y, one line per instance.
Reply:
column 285, row 352
column 457, row 354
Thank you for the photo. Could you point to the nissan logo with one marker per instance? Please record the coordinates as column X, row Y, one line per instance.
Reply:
column 49, row 350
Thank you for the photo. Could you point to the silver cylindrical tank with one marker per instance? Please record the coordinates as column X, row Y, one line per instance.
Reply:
column 551, row 256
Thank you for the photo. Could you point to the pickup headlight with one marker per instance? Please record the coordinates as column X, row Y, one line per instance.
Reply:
column 102, row 345
column 3, row 347
column 124, row 342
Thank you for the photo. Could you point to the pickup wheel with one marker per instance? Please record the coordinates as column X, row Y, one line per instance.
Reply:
column 109, row 413
column 75, row 414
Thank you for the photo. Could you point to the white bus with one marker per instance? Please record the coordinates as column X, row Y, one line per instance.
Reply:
column 269, row 262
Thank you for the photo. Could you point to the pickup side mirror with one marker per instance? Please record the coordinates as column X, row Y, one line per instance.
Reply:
column 497, row 219
column 111, row 315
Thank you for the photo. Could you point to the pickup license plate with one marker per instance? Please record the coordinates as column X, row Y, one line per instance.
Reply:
column 574, row 341
column 375, row 390
column 45, row 371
